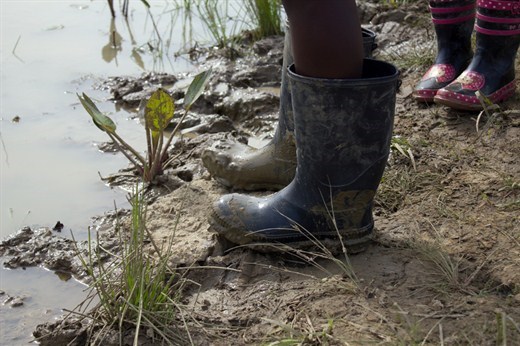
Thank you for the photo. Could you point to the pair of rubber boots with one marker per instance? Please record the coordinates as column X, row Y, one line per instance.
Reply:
column 457, row 74
column 342, row 132
column 272, row 167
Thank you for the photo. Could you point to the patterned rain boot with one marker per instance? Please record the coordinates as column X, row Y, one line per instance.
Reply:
column 453, row 21
column 343, row 130
column 492, row 70
column 271, row 167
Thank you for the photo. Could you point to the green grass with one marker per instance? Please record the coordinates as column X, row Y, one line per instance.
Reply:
column 136, row 290
column 223, row 20
column 266, row 16
column 216, row 18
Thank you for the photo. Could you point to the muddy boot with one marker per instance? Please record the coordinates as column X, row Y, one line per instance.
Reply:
column 271, row 167
column 453, row 22
column 240, row 166
column 492, row 70
column 343, row 130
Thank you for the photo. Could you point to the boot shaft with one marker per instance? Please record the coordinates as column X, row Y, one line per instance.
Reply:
column 498, row 29
column 286, row 121
column 497, row 39
column 343, row 127
column 453, row 22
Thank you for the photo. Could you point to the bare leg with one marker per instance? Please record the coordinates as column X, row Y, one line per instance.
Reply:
column 326, row 38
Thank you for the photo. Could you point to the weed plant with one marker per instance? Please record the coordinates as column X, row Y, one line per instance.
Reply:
column 158, row 113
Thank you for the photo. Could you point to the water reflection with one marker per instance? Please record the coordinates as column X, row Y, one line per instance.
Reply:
column 110, row 50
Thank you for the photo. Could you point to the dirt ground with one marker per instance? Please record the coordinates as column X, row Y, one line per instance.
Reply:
column 444, row 266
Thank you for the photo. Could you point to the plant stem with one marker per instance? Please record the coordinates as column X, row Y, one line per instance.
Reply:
column 165, row 150
column 148, row 142
column 156, row 164
column 127, row 146
column 120, row 148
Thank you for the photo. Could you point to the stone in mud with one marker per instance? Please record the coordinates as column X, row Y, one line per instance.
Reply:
column 17, row 302
column 71, row 331
column 189, row 171
column 14, row 302
column 8, row 300
column 266, row 45
column 133, row 99
column 122, row 86
column 191, row 120
column 159, row 79
column 213, row 123
column 263, row 75
column 246, row 104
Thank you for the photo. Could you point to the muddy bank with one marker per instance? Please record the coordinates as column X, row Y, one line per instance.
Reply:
column 454, row 202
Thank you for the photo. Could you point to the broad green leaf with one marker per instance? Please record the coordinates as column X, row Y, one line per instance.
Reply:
column 196, row 88
column 103, row 122
column 159, row 111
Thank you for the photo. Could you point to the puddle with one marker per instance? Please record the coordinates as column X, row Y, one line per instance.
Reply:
column 38, row 304
column 48, row 156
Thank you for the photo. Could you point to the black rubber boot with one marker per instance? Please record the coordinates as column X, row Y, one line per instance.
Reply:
column 271, row 167
column 453, row 22
column 492, row 70
column 343, row 130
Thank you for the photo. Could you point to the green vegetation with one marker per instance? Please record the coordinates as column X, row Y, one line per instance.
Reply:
column 223, row 20
column 215, row 16
column 135, row 289
column 266, row 15
column 158, row 113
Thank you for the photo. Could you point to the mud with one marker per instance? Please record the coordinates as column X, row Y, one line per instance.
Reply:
column 456, row 198
column 28, row 248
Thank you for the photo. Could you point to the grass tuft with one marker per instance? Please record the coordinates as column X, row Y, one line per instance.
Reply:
column 136, row 290
column 266, row 15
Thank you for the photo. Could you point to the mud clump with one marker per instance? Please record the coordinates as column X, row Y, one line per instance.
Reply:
column 28, row 248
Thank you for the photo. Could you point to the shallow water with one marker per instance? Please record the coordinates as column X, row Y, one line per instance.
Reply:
column 49, row 161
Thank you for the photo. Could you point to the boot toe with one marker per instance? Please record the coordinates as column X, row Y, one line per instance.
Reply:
column 227, row 219
column 437, row 77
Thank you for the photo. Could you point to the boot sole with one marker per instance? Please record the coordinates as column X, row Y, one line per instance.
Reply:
column 354, row 241
column 457, row 104
column 425, row 96
column 451, row 99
